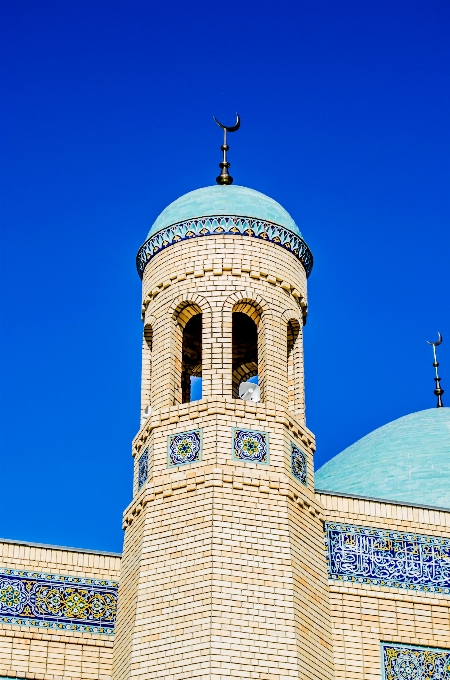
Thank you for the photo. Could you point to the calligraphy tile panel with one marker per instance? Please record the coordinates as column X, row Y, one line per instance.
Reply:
column 388, row 558
column 404, row 662
column 54, row 601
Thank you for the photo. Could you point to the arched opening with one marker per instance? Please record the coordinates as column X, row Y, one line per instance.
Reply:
column 191, row 360
column 245, row 350
column 293, row 359
column 146, row 382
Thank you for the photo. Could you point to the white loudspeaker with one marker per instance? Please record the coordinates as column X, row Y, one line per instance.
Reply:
column 248, row 391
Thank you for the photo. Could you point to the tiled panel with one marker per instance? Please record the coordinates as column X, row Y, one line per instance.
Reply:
column 250, row 446
column 30, row 598
column 143, row 469
column 404, row 662
column 388, row 558
column 184, row 448
column 298, row 464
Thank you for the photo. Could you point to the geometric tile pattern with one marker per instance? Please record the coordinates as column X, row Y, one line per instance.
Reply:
column 30, row 598
column 250, row 446
column 395, row 559
column 184, row 448
column 404, row 662
column 223, row 224
column 298, row 464
column 143, row 469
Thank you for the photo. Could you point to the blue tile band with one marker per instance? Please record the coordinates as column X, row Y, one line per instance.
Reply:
column 405, row 662
column 388, row 558
column 227, row 225
column 29, row 598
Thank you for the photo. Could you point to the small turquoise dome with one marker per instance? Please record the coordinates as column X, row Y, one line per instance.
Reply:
column 407, row 461
column 224, row 200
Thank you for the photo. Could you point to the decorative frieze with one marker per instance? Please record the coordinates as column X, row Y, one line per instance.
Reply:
column 55, row 601
column 388, row 558
column 405, row 662
column 226, row 225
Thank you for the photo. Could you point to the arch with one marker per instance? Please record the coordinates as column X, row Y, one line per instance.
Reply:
column 294, row 361
column 188, row 316
column 244, row 359
column 146, row 374
column 183, row 302
column 247, row 311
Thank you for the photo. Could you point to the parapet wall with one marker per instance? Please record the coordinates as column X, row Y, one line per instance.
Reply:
column 51, row 598
column 389, row 584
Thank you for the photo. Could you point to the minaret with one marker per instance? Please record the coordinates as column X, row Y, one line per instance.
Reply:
column 223, row 571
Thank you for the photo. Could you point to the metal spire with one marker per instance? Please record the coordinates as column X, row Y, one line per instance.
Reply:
column 224, row 177
column 438, row 391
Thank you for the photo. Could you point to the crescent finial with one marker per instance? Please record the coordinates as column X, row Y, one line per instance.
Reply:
column 230, row 129
column 225, row 177
column 438, row 342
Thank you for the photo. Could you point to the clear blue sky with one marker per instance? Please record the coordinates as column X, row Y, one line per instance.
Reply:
column 107, row 117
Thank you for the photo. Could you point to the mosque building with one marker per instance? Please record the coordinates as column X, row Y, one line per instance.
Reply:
column 239, row 561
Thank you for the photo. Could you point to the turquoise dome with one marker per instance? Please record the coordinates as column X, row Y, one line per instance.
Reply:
column 407, row 461
column 224, row 200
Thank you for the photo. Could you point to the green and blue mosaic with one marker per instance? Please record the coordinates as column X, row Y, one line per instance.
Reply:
column 29, row 598
column 405, row 662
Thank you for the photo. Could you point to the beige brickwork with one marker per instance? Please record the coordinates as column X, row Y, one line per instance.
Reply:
column 224, row 571
column 199, row 274
column 45, row 654
column 365, row 615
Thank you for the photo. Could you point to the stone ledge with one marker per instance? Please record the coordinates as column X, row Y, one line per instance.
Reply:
column 189, row 480
column 218, row 269
column 210, row 406
column 64, row 637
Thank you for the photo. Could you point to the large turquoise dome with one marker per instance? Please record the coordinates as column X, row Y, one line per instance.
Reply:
column 224, row 200
column 407, row 460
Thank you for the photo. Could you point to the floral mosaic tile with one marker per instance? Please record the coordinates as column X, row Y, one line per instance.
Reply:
column 388, row 558
column 404, row 662
column 298, row 464
column 184, row 448
column 250, row 446
column 143, row 469
column 54, row 601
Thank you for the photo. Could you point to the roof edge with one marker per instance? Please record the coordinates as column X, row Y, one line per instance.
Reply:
column 382, row 500
column 60, row 547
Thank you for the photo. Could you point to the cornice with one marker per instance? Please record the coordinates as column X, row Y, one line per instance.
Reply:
column 226, row 225
column 167, row 485
column 211, row 406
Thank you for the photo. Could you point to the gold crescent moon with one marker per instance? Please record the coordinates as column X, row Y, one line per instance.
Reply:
column 230, row 129
column 436, row 343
